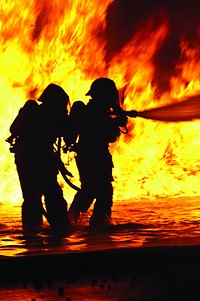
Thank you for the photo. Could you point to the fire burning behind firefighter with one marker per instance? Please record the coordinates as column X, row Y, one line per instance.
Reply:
column 150, row 49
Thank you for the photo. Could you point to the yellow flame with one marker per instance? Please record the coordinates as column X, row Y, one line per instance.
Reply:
column 62, row 42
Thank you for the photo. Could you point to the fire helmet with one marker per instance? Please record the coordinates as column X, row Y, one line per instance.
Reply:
column 105, row 90
column 102, row 86
column 54, row 95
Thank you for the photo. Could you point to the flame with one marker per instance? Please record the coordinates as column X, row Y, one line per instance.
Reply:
column 68, row 43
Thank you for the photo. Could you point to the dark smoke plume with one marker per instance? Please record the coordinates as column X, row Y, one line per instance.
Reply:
column 126, row 18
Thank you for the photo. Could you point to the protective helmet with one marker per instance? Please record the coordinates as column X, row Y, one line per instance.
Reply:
column 102, row 86
column 54, row 94
column 104, row 90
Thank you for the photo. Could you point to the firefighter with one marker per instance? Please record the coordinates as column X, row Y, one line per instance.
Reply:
column 33, row 134
column 95, row 126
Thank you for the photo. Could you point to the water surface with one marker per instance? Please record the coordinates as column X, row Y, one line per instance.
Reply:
column 136, row 223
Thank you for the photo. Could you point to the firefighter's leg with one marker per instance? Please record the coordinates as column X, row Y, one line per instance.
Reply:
column 81, row 203
column 31, row 216
column 31, row 206
column 56, row 207
column 101, row 215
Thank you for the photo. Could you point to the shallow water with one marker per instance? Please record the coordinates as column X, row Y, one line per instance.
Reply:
column 136, row 223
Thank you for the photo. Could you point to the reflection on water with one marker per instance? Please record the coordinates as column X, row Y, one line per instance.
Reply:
column 137, row 223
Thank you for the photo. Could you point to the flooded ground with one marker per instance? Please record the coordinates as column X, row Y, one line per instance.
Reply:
column 136, row 223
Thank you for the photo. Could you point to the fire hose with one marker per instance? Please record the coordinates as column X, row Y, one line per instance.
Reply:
column 186, row 110
column 63, row 170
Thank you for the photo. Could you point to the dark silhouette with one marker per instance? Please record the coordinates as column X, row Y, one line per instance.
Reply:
column 96, row 125
column 33, row 134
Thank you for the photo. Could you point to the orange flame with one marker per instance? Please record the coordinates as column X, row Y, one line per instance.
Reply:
column 68, row 43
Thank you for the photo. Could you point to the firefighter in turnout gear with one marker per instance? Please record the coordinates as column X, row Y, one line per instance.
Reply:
column 96, row 125
column 33, row 134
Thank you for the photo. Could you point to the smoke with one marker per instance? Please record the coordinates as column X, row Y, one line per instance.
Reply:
column 126, row 18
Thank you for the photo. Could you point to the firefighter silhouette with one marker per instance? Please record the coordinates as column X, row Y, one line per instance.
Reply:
column 95, row 126
column 34, row 132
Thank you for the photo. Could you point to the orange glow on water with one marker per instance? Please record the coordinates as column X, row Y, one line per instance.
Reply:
column 68, row 44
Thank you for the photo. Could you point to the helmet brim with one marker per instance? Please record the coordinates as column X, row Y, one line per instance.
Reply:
column 88, row 93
